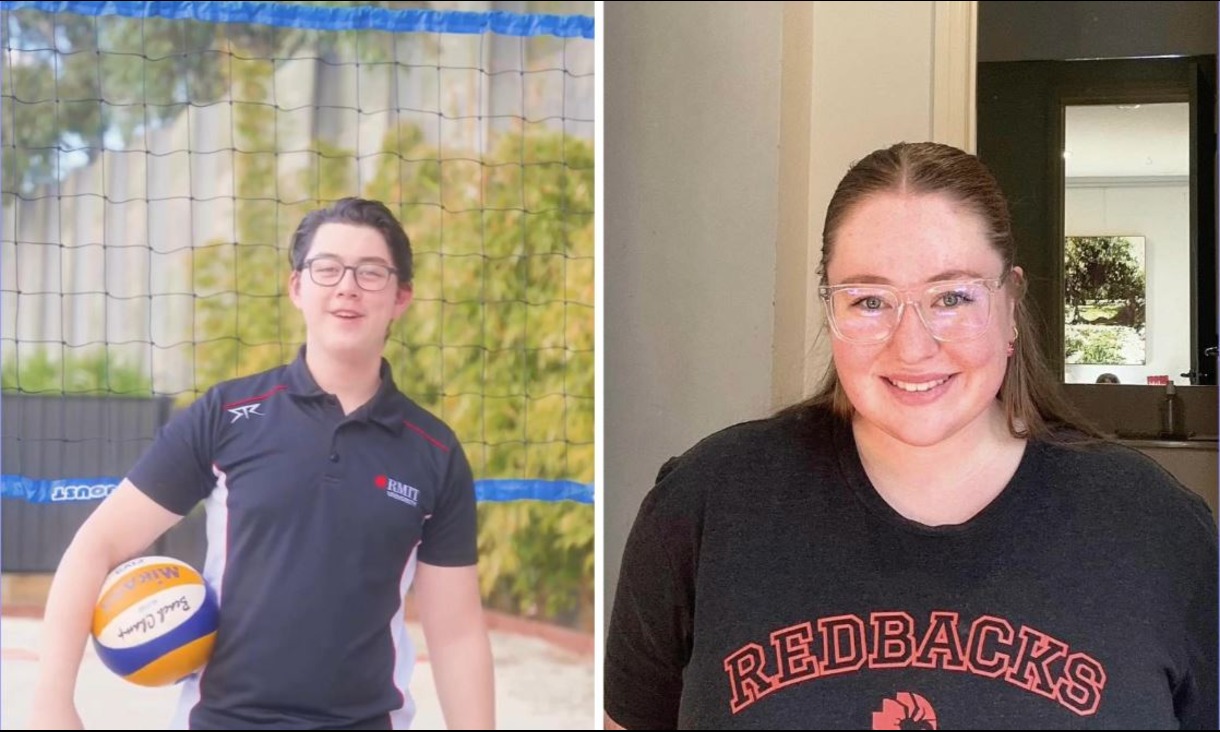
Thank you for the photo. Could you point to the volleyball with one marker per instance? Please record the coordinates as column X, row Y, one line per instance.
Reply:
column 155, row 621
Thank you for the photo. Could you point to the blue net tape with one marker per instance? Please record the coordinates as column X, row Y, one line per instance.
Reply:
column 327, row 18
column 39, row 490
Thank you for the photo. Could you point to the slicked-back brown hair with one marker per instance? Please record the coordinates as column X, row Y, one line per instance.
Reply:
column 1033, row 399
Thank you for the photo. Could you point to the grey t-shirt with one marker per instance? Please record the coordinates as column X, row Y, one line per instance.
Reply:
column 767, row 585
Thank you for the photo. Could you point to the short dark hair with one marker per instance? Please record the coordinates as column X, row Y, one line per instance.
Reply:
column 358, row 212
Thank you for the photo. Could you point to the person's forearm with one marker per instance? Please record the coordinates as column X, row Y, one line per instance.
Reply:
column 67, row 621
column 462, row 671
column 126, row 523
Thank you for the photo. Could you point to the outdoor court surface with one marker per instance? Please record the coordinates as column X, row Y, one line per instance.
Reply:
column 539, row 685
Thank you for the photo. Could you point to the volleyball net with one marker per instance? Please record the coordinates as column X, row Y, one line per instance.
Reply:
column 157, row 157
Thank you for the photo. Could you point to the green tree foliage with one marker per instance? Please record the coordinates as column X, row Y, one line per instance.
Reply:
column 81, row 80
column 1095, row 344
column 96, row 373
column 501, row 342
column 1102, row 269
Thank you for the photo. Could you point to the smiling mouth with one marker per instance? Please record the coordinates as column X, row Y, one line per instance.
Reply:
column 915, row 387
column 346, row 315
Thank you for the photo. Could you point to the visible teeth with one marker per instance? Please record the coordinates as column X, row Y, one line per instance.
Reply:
column 925, row 386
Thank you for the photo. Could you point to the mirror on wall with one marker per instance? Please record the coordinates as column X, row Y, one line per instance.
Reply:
column 1099, row 121
column 1126, row 224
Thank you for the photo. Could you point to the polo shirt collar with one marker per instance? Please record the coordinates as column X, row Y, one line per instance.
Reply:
column 383, row 409
column 300, row 381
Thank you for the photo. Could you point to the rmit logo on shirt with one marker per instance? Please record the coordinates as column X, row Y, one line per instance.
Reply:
column 398, row 490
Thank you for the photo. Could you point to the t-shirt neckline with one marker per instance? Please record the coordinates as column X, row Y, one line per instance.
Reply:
column 853, row 472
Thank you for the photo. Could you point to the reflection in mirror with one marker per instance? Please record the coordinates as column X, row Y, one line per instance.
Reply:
column 1127, row 243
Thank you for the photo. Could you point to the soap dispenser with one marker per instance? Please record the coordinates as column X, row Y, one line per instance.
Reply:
column 1173, row 416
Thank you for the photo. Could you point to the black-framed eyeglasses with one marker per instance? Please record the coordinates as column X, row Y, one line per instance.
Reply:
column 951, row 311
column 328, row 272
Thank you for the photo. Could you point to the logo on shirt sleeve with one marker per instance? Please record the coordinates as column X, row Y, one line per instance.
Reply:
column 244, row 412
column 245, row 408
column 397, row 490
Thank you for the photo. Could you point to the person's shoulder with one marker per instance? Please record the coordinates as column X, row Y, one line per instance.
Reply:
column 740, row 454
column 251, row 386
column 1122, row 478
column 756, row 438
column 423, row 423
column 1104, row 462
column 241, row 391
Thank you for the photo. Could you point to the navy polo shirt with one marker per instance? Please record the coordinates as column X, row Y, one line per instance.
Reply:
column 315, row 522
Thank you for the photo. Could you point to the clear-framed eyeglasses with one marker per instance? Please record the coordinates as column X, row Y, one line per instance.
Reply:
column 328, row 271
column 951, row 311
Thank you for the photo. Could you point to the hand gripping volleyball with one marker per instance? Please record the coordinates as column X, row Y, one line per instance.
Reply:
column 155, row 621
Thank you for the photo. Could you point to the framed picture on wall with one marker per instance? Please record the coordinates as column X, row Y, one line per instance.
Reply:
column 1104, row 306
